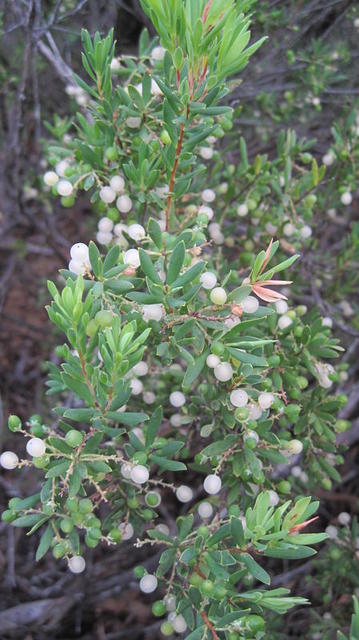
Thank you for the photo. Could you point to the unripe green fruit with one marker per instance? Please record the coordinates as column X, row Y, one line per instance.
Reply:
column 104, row 318
column 59, row 550
column 159, row 608
column 326, row 484
column 8, row 515
column 148, row 515
column 166, row 628
column 92, row 521
column 67, row 201
column 35, row 419
column 152, row 499
column 139, row 572
column 295, row 394
column 66, row 525
column 254, row 623
column 267, row 384
column 241, row 414
column 38, row 430
column 207, row 587
column 85, row 505
column 203, row 531
column 41, row 462
column 72, row 504
column 251, row 204
column 233, row 636
column 220, row 591
column 302, row 382
column 140, row 457
column 284, row 486
column 250, row 443
column 74, row 438
column 218, row 348
column 195, row 580
column 111, row 153
column 14, row 423
column 342, row 425
column 165, row 137
column 335, row 553
column 115, row 535
column 48, row 508
column 91, row 542
column 298, row 332
column 94, row 533
column 78, row 518
column 133, row 502
column 91, row 328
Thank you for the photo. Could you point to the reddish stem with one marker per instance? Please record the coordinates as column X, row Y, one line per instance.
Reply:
column 174, row 171
column 209, row 625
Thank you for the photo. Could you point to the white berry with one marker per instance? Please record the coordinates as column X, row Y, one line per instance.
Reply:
column 152, row 312
column 249, row 304
column 77, row 564
column 327, row 322
column 149, row 397
column 148, row 583
column 255, row 411
column 305, row 232
column 132, row 258
column 281, row 306
column 239, row 398
column 294, row 447
column 136, row 386
column 212, row 484
column 273, row 498
column 344, row 518
column 331, row 531
column 218, row 296
column 242, row 210
column 136, row 232
column 176, row 420
column 207, row 210
column 126, row 530
column 107, row 194
column 140, row 474
column 177, row 399
column 266, row 400
column 179, row 624
column 205, row 510
column 328, row 158
column 346, row 198
column 212, row 361
column 223, row 371
column 79, row 251
column 51, row 178
column 36, row 447
column 208, row 195
column 184, row 493
column 251, row 435
column 158, row 53
column 141, row 368
column 61, row 168
column 208, row 280
column 117, row 183
column 206, row 153
column 284, row 322
column 64, row 188
column 289, row 229
column 105, row 224
column 124, row 204
column 126, row 470
column 9, row 460
column 104, row 237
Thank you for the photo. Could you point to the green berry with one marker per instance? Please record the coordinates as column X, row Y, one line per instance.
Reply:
column 111, row 153
column 8, row 515
column 85, row 505
column 74, row 438
column 152, row 499
column 104, row 318
column 139, row 572
column 59, row 550
column 159, row 608
column 165, row 137
column 14, row 423
column 207, row 587
column 115, row 535
column 66, row 525
column 284, row 486
column 166, row 628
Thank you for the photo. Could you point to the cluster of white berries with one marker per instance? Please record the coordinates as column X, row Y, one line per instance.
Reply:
column 108, row 232
column 80, row 260
column 57, row 178
column 305, row 231
column 78, row 93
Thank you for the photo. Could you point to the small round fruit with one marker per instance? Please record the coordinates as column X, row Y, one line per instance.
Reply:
column 74, row 438
column 207, row 587
column 159, row 608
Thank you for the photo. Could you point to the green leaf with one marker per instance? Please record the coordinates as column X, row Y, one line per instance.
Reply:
column 155, row 233
column 239, row 294
column 237, row 531
column 169, row 465
column 194, row 370
column 95, row 259
column 176, row 263
column 45, row 542
column 28, row 521
column 152, row 426
column 59, row 469
column 254, row 568
column 188, row 276
column 148, row 268
column 80, row 415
